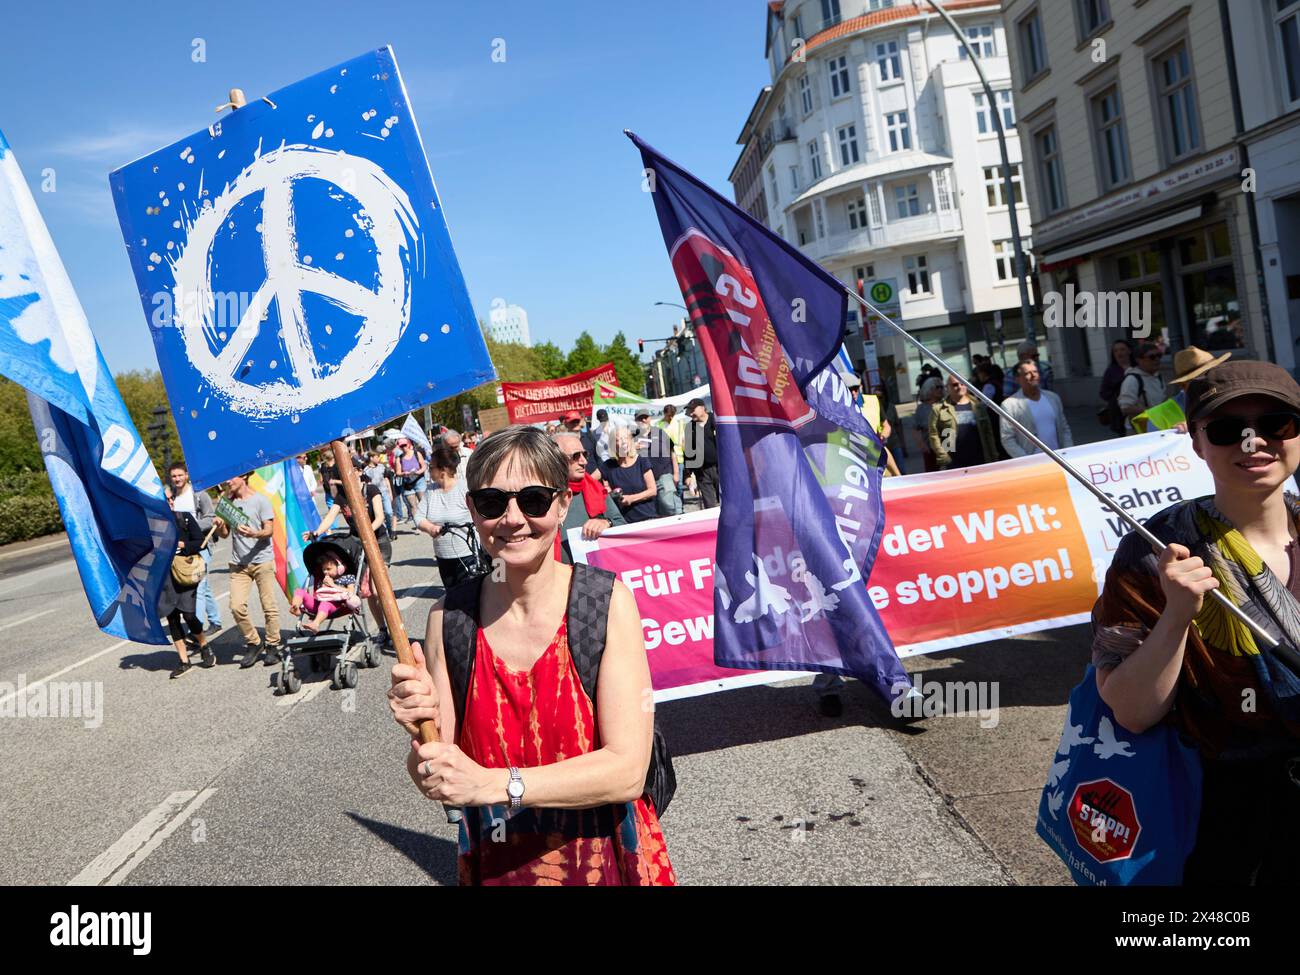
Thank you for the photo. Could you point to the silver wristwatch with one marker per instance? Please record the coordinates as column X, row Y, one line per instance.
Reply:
column 515, row 790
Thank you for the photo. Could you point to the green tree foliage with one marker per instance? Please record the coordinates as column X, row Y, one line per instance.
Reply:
column 631, row 375
column 586, row 354
column 142, row 390
column 515, row 363
column 554, row 363
column 19, row 450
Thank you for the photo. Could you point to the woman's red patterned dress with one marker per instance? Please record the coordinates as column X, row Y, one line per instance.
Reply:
column 541, row 717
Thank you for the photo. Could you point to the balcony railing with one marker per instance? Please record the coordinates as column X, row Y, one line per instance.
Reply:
column 896, row 232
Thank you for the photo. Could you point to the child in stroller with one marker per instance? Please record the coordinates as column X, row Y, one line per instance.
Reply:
column 332, row 632
column 333, row 592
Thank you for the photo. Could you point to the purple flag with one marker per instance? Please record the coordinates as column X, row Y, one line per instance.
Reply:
column 800, row 468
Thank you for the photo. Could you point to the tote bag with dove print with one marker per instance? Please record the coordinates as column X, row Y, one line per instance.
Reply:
column 1119, row 808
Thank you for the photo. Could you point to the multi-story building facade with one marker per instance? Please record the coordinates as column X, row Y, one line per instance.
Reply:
column 508, row 323
column 879, row 159
column 1266, row 51
column 1134, row 174
column 747, row 175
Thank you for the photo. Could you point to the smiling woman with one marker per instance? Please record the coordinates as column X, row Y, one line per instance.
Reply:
column 552, row 778
column 1163, row 651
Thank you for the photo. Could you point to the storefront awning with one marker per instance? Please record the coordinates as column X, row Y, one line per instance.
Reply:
column 1121, row 236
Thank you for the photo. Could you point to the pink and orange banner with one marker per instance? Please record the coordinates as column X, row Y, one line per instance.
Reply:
column 966, row 556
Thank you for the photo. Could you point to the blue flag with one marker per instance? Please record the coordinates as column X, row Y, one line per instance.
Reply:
column 119, row 524
column 297, row 272
column 800, row 471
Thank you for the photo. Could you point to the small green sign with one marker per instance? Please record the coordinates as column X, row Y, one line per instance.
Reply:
column 881, row 292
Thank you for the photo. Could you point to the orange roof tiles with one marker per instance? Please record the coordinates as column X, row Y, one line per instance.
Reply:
column 879, row 17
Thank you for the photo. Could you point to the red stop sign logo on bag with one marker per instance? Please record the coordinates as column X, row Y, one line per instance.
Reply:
column 1105, row 820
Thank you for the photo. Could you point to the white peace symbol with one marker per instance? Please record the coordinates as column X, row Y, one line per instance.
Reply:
column 385, row 214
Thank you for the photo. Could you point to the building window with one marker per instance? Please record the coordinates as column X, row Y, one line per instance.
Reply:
column 794, row 179
column 815, row 160
column 865, row 273
column 805, row 94
column 980, row 40
column 873, row 201
column 1004, row 258
column 907, row 202
column 771, row 180
column 1093, row 16
column 839, row 68
column 1033, row 48
column 858, row 214
column 1050, row 169
column 848, row 144
column 796, row 23
column 918, row 275
column 994, row 185
column 900, row 133
column 984, row 118
column 1287, row 20
column 830, row 13
column 879, row 4
column 1177, row 98
column 819, row 219
column 1209, row 287
column 888, row 61
column 945, row 191
column 1112, row 142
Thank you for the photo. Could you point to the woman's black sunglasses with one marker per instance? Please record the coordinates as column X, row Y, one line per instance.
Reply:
column 1225, row 430
column 534, row 500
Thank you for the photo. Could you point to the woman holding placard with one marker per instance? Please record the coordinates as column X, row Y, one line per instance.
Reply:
column 552, row 777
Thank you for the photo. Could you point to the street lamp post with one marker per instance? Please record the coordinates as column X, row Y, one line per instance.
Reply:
column 1026, row 311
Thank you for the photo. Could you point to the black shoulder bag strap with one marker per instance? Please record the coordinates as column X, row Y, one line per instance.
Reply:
column 460, row 640
column 588, row 622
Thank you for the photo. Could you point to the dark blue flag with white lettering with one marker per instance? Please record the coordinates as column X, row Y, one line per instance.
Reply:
column 799, row 466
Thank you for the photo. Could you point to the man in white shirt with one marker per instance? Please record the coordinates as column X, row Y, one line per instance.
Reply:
column 1039, row 410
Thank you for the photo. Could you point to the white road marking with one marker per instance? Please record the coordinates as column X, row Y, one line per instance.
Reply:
column 112, row 866
column 84, row 660
column 302, row 697
column 27, row 619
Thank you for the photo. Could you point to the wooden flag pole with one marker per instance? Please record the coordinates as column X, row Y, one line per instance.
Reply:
column 379, row 581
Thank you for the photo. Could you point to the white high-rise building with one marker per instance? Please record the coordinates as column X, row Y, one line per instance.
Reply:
column 508, row 323
column 878, row 158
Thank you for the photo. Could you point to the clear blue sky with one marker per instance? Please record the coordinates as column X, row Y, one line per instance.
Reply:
column 540, row 187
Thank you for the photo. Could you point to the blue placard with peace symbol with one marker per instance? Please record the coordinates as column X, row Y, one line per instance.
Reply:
column 296, row 271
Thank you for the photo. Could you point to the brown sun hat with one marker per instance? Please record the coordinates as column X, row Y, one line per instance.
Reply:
column 1232, row 380
column 1191, row 362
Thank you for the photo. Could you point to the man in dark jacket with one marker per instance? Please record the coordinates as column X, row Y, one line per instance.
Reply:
column 702, row 452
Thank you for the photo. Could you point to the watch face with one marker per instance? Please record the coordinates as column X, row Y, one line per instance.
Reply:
column 515, row 789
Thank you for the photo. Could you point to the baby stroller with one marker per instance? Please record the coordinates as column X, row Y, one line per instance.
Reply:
column 343, row 644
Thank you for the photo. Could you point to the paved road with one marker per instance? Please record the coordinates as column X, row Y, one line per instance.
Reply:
column 215, row 779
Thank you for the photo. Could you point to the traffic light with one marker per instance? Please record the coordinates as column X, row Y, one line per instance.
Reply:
column 640, row 344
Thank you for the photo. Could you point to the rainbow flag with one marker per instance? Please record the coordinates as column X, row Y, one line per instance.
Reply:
column 295, row 513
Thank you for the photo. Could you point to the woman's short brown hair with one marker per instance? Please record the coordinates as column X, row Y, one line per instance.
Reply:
column 444, row 458
column 528, row 447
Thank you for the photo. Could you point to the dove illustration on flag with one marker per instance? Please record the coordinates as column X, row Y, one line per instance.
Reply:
column 120, row 527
